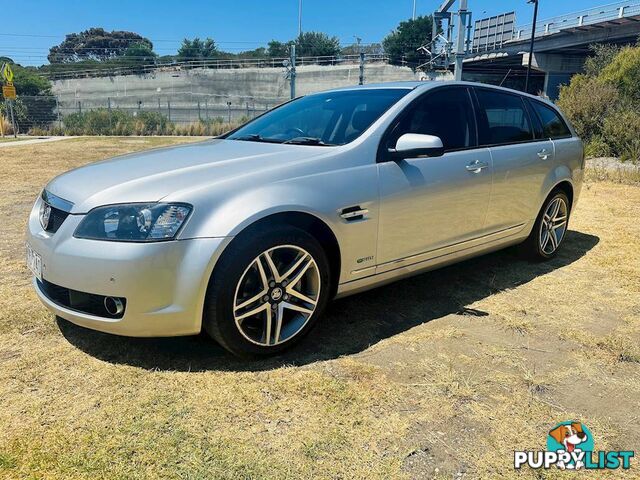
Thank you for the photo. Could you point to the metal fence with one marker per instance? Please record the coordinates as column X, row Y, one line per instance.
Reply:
column 47, row 112
column 66, row 71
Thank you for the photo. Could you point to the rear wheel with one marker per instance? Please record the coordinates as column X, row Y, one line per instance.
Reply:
column 550, row 228
column 267, row 291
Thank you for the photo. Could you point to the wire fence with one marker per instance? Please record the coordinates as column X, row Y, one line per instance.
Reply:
column 132, row 66
column 131, row 114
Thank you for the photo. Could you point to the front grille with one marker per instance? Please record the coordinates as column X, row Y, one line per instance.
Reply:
column 78, row 301
column 58, row 210
column 56, row 219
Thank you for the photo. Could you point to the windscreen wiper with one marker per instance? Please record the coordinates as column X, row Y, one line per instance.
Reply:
column 254, row 137
column 309, row 141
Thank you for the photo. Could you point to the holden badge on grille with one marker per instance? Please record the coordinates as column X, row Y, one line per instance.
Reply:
column 45, row 214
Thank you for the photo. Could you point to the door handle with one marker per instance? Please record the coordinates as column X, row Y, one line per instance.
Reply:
column 476, row 166
column 544, row 154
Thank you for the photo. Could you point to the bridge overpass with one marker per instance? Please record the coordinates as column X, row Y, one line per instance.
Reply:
column 561, row 46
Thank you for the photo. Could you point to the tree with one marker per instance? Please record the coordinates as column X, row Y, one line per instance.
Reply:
column 140, row 51
column 404, row 41
column 197, row 49
column 276, row 49
column 95, row 44
column 317, row 44
column 624, row 73
column 35, row 104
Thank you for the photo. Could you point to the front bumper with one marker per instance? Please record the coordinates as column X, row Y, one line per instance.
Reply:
column 164, row 283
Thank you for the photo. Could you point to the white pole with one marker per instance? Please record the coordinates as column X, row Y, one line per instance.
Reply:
column 299, row 17
column 414, row 9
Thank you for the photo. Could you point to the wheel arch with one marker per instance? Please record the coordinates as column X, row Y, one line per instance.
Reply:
column 303, row 220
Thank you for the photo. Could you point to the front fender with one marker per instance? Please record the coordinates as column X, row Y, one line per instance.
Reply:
column 322, row 196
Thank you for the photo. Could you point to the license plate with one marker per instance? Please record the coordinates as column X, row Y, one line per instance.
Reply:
column 34, row 262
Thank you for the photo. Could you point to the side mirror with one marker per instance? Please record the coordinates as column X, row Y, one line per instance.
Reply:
column 414, row 145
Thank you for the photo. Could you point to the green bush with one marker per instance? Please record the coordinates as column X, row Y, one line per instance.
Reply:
column 597, row 147
column 103, row 121
column 587, row 101
column 152, row 123
column 622, row 131
column 604, row 103
column 624, row 73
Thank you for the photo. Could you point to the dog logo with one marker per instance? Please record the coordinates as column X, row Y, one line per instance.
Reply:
column 570, row 437
column 570, row 446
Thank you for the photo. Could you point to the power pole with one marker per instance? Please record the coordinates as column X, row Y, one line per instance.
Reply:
column 533, row 35
column 13, row 120
column 461, row 44
column 292, row 71
column 414, row 10
column 299, row 17
column 361, row 55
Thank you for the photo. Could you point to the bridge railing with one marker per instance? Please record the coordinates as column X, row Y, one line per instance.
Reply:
column 582, row 18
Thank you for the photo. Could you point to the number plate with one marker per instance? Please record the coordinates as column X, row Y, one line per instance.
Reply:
column 34, row 262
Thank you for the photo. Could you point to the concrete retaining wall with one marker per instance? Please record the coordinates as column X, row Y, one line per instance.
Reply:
column 189, row 95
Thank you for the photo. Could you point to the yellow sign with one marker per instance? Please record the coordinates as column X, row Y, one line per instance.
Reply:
column 9, row 92
column 7, row 73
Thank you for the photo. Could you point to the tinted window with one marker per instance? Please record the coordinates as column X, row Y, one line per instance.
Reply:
column 333, row 117
column 503, row 118
column 446, row 113
column 552, row 125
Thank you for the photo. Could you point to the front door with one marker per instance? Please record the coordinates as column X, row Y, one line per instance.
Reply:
column 430, row 203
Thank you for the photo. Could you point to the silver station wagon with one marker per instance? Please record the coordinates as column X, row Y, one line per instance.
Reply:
column 250, row 235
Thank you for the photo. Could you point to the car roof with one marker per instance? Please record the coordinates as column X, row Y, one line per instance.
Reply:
column 428, row 84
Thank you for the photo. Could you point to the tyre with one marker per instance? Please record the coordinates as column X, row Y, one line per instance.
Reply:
column 267, row 291
column 550, row 228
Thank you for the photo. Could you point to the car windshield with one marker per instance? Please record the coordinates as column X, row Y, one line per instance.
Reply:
column 325, row 119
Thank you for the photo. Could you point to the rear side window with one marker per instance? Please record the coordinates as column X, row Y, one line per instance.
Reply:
column 552, row 124
column 503, row 118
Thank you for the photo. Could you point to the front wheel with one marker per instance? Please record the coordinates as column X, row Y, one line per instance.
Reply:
column 550, row 228
column 267, row 292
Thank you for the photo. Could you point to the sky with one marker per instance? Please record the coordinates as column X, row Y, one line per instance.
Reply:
column 235, row 25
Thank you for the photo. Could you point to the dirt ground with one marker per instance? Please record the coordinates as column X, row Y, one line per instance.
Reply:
column 440, row 376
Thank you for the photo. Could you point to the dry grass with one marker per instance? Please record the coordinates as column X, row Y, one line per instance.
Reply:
column 443, row 374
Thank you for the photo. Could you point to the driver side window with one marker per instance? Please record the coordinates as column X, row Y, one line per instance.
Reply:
column 446, row 113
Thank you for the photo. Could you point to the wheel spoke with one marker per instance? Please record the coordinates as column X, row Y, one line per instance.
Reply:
column 293, row 268
column 263, row 275
column 300, row 296
column 267, row 326
column 253, row 299
column 553, row 239
column 272, row 267
column 558, row 225
column 294, row 281
column 545, row 240
column 255, row 311
column 279, row 315
column 296, row 308
column 555, row 208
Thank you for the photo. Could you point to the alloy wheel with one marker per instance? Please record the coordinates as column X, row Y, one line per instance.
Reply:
column 276, row 295
column 553, row 226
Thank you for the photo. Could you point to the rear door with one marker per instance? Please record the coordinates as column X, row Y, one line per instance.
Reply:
column 430, row 203
column 521, row 160
column 568, row 149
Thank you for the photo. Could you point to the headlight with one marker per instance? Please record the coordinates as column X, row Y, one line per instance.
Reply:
column 134, row 222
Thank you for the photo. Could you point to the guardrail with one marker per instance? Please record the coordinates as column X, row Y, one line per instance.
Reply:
column 213, row 63
column 579, row 19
